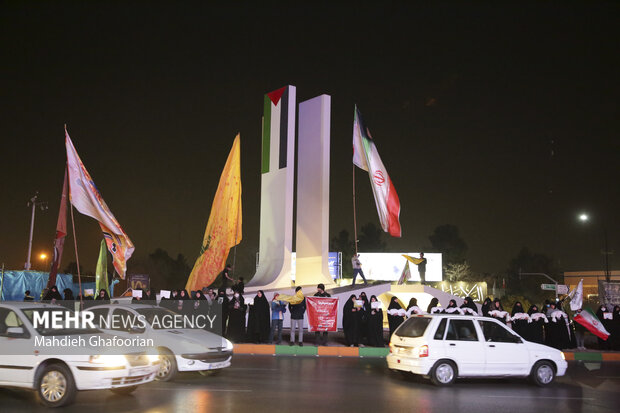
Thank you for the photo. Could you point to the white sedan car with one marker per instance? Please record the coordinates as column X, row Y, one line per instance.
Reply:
column 180, row 349
column 57, row 377
column 444, row 347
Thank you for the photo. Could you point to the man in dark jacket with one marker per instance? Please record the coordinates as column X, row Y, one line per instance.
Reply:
column 320, row 338
column 297, row 320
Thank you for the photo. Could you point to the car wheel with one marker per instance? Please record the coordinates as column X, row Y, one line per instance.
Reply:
column 167, row 367
column 55, row 385
column 543, row 373
column 443, row 373
column 124, row 390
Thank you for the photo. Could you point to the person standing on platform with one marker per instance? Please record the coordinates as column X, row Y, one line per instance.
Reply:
column 226, row 278
column 357, row 268
column 321, row 337
column 422, row 268
column 297, row 320
column 278, row 308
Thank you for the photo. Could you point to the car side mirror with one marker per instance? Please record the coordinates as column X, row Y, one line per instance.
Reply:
column 16, row 332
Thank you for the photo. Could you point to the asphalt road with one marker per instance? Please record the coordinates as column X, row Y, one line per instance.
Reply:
column 256, row 384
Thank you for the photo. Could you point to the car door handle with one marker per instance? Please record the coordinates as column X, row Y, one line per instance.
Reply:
column 491, row 345
column 452, row 344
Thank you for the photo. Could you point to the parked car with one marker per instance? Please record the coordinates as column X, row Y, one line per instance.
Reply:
column 444, row 347
column 180, row 349
column 57, row 377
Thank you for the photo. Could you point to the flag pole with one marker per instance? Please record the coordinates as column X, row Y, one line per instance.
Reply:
column 77, row 260
column 354, row 213
column 2, row 282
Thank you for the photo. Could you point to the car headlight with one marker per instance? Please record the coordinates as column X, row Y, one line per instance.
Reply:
column 108, row 360
column 229, row 345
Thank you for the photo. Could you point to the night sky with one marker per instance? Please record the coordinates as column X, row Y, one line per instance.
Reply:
column 501, row 118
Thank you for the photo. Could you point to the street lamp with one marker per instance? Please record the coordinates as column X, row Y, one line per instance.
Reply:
column 43, row 257
column 34, row 204
column 583, row 217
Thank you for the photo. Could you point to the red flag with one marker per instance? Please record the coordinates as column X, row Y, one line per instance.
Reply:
column 61, row 233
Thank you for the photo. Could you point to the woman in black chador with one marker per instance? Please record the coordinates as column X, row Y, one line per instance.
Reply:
column 614, row 329
column 600, row 314
column 375, row 325
column 394, row 320
column 468, row 302
column 236, row 318
column 52, row 294
column 534, row 331
column 486, row 306
column 351, row 322
column 259, row 319
column 519, row 319
column 451, row 308
column 556, row 332
column 433, row 304
column 222, row 300
column 363, row 314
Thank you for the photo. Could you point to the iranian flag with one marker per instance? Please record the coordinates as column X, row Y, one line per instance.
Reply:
column 587, row 319
column 366, row 157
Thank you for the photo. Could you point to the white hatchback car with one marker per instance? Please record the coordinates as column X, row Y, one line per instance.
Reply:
column 57, row 377
column 444, row 347
column 180, row 349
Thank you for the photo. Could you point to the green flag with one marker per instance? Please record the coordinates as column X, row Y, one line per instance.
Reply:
column 102, row 269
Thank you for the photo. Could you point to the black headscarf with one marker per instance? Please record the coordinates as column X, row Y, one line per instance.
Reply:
column 433, row 304
column 533, row 309
column 468, row 302
column 412, row 303
column 394, row 304
column 517, row 308
column 105, row 297
column 68, row 294
column 452, row 304
column 52, row 294
column 486, row 306
column 495, row 307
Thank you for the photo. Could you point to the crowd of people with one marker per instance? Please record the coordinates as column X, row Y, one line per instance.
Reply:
column 261, row 320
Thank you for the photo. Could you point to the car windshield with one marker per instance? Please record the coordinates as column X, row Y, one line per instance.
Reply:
column 45, row 317
column 163, row 315
column 413, row 327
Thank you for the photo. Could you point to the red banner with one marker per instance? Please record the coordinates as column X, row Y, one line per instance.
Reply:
column 322, row 313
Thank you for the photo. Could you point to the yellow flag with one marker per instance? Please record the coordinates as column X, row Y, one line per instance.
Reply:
column 292, row 299
column 414, row 260
column 224, row 227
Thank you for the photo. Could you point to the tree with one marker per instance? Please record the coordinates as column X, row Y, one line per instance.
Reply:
column 446, row 240
column 458, row 272
column 529, row 285
column 343, row 244
column 371, row 238
column 164, row 271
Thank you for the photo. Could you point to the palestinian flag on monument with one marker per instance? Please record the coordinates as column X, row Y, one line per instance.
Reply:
column 366, row 157
column 587, row 319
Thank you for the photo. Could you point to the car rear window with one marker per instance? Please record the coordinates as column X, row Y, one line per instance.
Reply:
column 413, row 327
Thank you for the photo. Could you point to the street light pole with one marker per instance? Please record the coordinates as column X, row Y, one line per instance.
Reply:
column 545, row 275
column 43, row 206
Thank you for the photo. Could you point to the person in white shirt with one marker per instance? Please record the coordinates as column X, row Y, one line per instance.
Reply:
column 357, row 268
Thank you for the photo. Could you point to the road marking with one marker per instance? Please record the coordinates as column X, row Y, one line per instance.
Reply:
column 544, row 397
